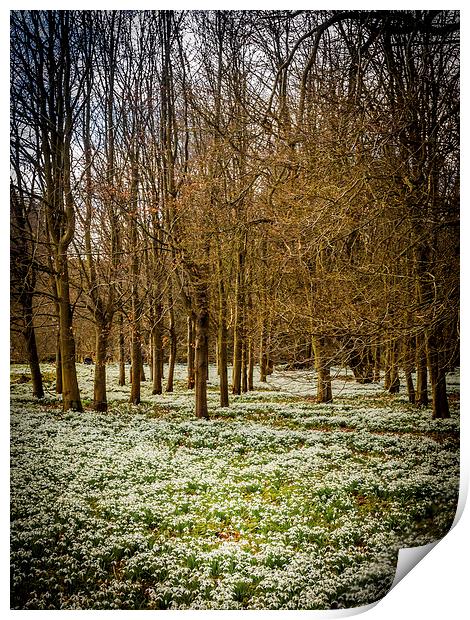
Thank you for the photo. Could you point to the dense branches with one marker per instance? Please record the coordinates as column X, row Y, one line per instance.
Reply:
column 288, row 179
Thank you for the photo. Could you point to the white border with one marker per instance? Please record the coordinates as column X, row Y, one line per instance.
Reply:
column 438, row 586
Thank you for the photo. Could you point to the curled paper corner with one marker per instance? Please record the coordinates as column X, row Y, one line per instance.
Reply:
column 409, row 557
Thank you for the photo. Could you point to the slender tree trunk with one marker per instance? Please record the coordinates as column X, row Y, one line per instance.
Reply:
column 244, row 367
column 70, row 390
column 388, row 367
column 222, row 337
column 377, row 360
column 239, row 323
column 392, row 380
column 157, row 346
column 122, row 353
column 440, row 405
column 422, row 399
column 58, row 356
column 173, row 348
column 408, row 368
column 191, row 351
column 394, row 387
column 31, row 347
column 251, row 364
column 202, row 355
column 263, row 356
column 136, row 362
column 237, row 358
column 58, row 365
column 222, row 362
column 136, row 344
column 324, row 392
column 100, row 402
column 410, row 388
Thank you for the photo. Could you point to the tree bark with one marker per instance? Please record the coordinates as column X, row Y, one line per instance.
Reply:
column 237, row 359
column 239, row 322
column 31, row 347
column 251, row 364
column 136, row 362
column 324, row 392
column 422, row 399
column 173, row 348
column 191, row 352
column 440, row 405
column 388, row 368
column 157, row 347
column 408, row 368
column 377, row 360
column 202, row 356
column 263, row 355
column 394, row 386
column 100, row 402
column 244, row 367
column 122, row 353
column 58, row 365
column 70, row 390
column 222, row 360
column 136, row 344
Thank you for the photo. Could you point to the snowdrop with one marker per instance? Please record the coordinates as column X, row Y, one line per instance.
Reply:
column 285, row 504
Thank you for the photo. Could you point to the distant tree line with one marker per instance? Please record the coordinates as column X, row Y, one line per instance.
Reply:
column 265, row 185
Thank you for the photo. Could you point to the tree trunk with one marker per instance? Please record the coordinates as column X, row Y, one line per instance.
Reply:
column 376, row 371
column 251, row 364
column 440, row 405
column 324, row 392
column 244, row 367
column 191, row 352
column 408, row 368
column 70, row 390
column 202, row 357
column 263, row 355
column 100, row 402
column 222, row 363
column 388, row 367
column 122, row 353
column 136, row 362
column 362, row 364
column 263, row 364
column 31, row 348
column 136, row 344
column 173, row 349
column 409, row 386
column 237, row 358
column 58, row 366
column 394, row 386
column 421, row 399
column 157, row 347
column 239, row 323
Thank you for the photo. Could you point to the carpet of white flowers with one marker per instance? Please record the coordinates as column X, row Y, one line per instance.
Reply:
column 275, row 503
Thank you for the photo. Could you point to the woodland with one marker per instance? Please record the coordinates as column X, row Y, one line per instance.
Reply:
column 224, row 222
column 286, row 182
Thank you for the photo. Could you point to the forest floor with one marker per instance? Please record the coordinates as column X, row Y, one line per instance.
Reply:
column 275, row 503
